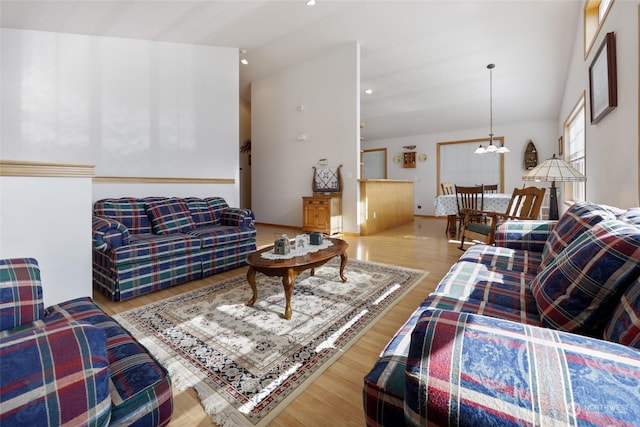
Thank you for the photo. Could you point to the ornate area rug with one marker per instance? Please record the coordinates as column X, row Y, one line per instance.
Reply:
column 247, row 363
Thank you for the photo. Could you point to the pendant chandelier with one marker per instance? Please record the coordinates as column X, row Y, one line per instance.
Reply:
column 491, row 148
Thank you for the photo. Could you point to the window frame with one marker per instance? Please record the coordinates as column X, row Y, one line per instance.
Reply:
column 594, row 20
column 573, row 188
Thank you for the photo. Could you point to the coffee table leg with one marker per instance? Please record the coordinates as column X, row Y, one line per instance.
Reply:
column 343, row 264
column 251, row 278
column 288, row 280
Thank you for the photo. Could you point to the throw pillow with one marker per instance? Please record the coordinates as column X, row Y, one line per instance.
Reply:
column 576, row 291
column 624, row 326
column 203, row 215
column 580, row 217
column 169, row 216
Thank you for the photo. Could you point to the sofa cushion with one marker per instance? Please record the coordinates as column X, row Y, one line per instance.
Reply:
column 54, row 375
column 580, row 217
column 578, row 288
column 624, row 326
column 169, row 216
column 20, row 292
column 146, row 247
column 218, row 205
column 465, row 369
column 130, row 211
column 140, row 385
column 631, row 216
column 222, row 235
column 201, row 212
column 504, row 258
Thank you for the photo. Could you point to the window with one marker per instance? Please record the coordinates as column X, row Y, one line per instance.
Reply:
column 574, row 129
column 595, row 12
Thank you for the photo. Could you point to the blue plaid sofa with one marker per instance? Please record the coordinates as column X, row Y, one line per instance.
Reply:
column 141, row 245
column 71, row 364
column 542, row 329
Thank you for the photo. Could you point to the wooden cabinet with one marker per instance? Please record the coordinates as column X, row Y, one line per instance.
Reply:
column 322, row 213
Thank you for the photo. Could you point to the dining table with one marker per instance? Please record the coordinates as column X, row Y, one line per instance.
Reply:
column 446, row 205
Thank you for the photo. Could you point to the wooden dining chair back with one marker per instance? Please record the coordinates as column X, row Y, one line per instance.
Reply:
column 470, row 201
column 525, row 204
column 447, row 188
column 493, row 188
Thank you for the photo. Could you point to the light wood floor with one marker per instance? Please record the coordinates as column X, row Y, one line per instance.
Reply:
column 335, row 398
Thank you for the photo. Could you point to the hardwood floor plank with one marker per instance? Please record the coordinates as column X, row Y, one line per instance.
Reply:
column 335, row 397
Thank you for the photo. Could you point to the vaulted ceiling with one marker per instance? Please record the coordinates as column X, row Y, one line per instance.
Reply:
column 425, row 60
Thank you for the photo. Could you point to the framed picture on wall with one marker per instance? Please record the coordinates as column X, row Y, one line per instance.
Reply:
column 603, row 83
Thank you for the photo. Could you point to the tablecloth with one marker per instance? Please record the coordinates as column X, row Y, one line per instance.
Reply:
column 494, row 202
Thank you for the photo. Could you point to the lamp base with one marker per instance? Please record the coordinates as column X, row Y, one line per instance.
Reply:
column 553, row 203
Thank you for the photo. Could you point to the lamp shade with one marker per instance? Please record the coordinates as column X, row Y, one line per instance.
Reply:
column 554, row 169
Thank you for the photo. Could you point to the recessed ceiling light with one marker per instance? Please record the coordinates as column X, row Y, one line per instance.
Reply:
column 243, row 61
column 368, row 91
column 311, row 2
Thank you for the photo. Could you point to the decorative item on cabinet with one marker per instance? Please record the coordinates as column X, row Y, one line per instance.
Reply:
column 530, row 156
column 409, row 159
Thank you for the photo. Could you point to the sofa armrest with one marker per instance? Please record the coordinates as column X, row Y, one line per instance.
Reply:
column 530, row 235
column 55, row 375
column 238, row 217
column 21, row 299
column 108, row 234
column 489, row 371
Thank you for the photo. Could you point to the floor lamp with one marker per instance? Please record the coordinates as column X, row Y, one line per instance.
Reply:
column 552, row 170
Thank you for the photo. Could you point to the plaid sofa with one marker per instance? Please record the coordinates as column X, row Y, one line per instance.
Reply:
column 541, row 329
column 71, row 364
column 142, row 245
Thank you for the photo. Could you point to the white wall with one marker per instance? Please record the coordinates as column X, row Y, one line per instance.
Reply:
column 516, row 136
column 49, row 219
column 612, row 144
column 132, row 108
column 328, row 87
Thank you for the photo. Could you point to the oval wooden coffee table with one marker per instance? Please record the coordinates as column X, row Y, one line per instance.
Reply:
column 288, row 269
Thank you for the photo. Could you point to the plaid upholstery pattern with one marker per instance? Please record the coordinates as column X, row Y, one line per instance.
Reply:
column 523, row 235
column 169, row 216
column 130, row 260
column 140, row 385
column 108, row 234
column 464, row 369
column 577, row 289
column 222, row 234
column 124, row 280
column 624, row 326
column 474, row 281
column 503, row 258
column 20, row 292
column 55, row 375
column 579, row 218
column 236, row 217
column 203, row 214
column 218, row 205
column 129, row 211
column 631, row 216
column 221, row 258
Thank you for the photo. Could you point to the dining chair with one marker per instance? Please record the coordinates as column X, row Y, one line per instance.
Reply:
column 447, row 188
column 470, row 201
column 525, row 204
column 452, row 220
column 493, row 188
